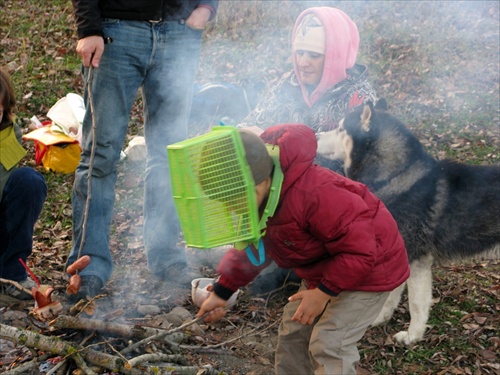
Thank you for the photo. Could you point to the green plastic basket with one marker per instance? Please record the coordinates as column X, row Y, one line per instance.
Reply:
column 213, row 189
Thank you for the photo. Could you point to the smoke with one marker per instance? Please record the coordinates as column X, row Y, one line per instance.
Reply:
column 436, row 62
column 432, row 60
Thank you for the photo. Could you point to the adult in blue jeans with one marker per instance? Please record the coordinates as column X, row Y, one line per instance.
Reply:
column 22, row 194
column 151, row 46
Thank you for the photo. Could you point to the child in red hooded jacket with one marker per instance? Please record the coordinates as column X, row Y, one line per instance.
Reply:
column 336, row 235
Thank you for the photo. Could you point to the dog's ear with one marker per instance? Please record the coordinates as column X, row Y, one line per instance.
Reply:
column 381, row 104
column 366, row 116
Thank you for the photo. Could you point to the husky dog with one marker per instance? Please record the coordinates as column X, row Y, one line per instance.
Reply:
column 445, row 210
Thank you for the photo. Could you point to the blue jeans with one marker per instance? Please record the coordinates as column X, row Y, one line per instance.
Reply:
column 22, row 200
column 161, row 59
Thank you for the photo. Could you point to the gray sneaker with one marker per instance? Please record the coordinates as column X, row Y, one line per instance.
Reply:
column 180, row 274
column 14, row 291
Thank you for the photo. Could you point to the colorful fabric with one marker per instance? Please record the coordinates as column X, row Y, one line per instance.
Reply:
column 285, row 104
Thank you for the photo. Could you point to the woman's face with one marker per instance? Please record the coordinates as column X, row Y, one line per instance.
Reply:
column 310, row 66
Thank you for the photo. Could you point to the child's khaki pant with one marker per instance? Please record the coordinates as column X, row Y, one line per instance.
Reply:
column 328, row 346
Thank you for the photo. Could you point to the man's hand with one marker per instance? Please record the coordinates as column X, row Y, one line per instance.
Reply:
column 313, row 303
column 215, row 305
column 198, row 18
column 90, row 50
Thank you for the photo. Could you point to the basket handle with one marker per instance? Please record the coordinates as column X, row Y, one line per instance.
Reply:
column 261, row 252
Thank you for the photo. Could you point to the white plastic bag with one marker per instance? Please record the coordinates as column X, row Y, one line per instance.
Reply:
column 67, row 116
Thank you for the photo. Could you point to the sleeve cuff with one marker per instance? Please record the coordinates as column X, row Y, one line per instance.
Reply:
column 326, row 290
column 222, row 291
column 85, row 33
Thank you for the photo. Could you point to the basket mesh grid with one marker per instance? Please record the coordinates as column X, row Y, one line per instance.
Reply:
column 213, row 189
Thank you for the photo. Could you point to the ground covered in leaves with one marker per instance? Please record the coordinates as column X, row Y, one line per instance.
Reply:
column 438, row 65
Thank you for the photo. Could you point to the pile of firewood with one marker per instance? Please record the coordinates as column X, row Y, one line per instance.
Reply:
column 89, row 360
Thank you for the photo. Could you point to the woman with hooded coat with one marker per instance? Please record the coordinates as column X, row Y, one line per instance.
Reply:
column 326, row 82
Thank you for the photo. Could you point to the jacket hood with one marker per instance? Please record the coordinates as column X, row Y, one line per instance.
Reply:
column 341, row 49
column 297, row 144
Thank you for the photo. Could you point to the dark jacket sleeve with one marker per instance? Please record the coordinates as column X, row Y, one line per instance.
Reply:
column 88, row 13
column 88, row 18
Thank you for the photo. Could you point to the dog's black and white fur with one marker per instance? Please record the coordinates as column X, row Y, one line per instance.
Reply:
column 445, row 210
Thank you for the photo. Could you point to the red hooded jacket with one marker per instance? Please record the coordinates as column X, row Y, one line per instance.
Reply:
column 332, row 231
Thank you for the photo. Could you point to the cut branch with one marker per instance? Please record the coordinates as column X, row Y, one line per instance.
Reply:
column 15, row 284
column 25, row 368
column 154, row 357
column 165, row 333
column 56, row 345
column 158, row 336
column 112, row 328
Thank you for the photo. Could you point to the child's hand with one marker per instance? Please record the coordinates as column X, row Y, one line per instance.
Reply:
column 313, row 303
column 215, row 305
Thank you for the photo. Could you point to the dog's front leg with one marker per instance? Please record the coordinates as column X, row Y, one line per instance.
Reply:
column 419, row 300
